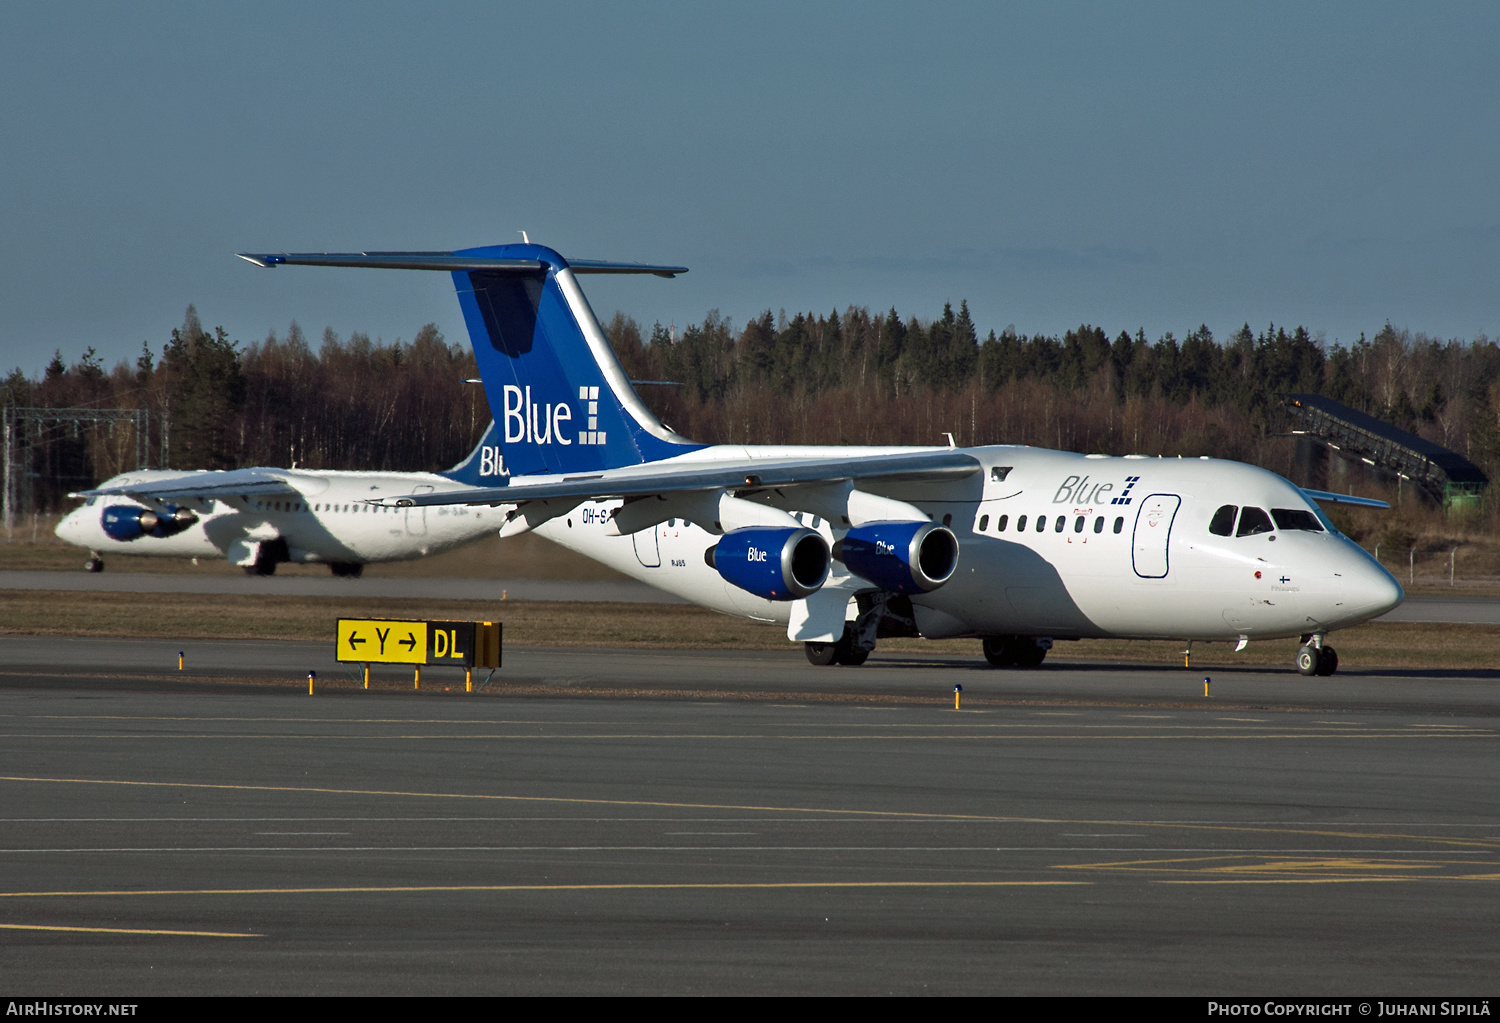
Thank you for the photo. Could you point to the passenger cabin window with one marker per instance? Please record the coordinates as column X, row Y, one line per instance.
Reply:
column 1254, row 521
column 1041, row 523
column 1296, row 518
column 984, row 523
column 1119, row 523
column 1021, row 524
column 1099, row 524
column 1062, row 521
column 1078, row 524
column 1223, row 521
column 1000, row 523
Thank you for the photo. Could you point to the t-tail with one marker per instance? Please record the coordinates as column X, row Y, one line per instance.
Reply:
column 560, row 400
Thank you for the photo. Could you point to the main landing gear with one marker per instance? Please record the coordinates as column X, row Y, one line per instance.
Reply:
column 845, row 651
column 1313, row 658
column 1016, row 651
column 270, row 554
column 346, row 569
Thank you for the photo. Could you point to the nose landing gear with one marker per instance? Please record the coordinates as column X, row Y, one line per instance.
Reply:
column 1314, row 658
column 94, row 564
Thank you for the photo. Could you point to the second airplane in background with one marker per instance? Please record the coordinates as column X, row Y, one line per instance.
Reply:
column 259, row 518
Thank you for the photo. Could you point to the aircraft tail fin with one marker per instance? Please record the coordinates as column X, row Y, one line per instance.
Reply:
column 481, row 468
column 560, row 400
column 558, row 394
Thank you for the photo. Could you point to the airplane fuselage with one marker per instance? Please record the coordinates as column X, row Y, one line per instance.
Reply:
column 325, row 519
column 1062, row 545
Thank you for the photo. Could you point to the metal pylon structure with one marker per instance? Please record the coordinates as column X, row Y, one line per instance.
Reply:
column 34, row 421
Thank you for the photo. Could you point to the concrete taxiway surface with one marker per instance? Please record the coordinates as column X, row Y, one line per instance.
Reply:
column 623, row 821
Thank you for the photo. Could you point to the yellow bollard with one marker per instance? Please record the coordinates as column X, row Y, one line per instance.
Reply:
column 1205, row 685
column 416, row 682
column 312, row 677
column 179, row 660
column 468, row 680
column 958, row 692
column 367, row 676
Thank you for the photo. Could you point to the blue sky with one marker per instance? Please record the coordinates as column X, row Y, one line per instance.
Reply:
column 1130, row 165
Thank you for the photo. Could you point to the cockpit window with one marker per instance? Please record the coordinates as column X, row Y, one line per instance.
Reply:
column 1223, row 521
column 1253, row 521
column 1296, row 518
column 1326, row 521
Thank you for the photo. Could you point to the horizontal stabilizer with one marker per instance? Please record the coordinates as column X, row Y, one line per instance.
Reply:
column 742, row 475
column 447, row 261
column 1332, row 498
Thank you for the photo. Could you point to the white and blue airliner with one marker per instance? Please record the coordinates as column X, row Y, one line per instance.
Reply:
column 261, row 517
column 1017, row 546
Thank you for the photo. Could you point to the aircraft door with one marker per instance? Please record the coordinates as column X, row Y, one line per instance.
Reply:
column 416, row 518
column 1153, row 529
column 647, row 547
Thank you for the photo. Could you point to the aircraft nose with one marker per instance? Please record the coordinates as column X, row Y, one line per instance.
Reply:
column 1372, row 591
column 68, row 526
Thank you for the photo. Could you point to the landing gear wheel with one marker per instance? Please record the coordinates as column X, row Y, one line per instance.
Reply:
column 94, row 565
column 346, row 569
column 1328, row 662
column 1029, row 653
column 847, row 652
column 821, row 654
column 855, row 657
column 1308, row 660
column 1000, row 651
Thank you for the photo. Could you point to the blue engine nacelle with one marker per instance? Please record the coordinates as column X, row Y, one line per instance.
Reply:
column 903, row 557
column 775, row 563
column 127, row 522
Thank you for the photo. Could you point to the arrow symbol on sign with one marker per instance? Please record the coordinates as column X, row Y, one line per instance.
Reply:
column 354, row 639
column 410, row 642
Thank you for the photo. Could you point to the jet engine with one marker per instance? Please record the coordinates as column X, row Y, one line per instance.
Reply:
column 902, row 557
column 127, row 522
column 775, row 563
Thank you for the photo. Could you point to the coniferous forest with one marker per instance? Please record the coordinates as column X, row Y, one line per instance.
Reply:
column 851, row 377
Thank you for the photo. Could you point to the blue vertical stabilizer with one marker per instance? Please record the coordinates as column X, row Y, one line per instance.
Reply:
column 561, row 402
column 482, row 468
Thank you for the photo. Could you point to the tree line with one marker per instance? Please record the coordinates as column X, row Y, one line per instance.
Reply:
column 863, row 378
column 349, row 403
column 856, row 377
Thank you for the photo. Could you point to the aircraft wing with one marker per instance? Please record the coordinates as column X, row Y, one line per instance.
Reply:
column 206, row 483
column 737, row 475
column 1332, row 498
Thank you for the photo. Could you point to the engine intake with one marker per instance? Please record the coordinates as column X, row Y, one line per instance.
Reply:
column 127, row 522
column 903, row 557
column 774, row 563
